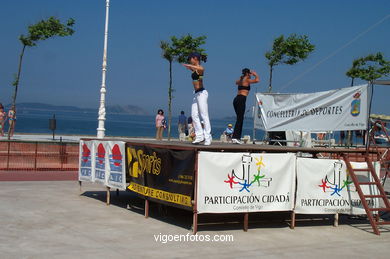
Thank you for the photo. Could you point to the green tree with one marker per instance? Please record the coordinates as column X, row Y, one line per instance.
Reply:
column 187, row 44
column 369, row 68
column 353, row 73
column 177, row 50
column 288, row 51
column 168, row 53
column 42, row 30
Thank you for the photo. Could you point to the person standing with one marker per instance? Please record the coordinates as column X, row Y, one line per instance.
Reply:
column 199, row 108
column 3, row 117
column 160, row 124
column 11, row 121
column 244, row 86
column 191, row 131
column 182, row 123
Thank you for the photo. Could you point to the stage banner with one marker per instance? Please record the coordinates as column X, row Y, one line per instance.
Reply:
column 86, row 161
column 324, row 187
column 116, row 165
column 243, row 182
column 163, row 175
column 340, row 109
column 101, row 161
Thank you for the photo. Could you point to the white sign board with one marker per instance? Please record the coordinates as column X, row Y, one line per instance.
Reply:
column 324, row 187
column 116, row 165
column 341, row 109
column 243, row 182
column 86, row 161
column 101, row 159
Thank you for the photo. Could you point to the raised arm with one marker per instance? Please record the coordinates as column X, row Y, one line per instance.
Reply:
column 256, row 79
column 193, row 67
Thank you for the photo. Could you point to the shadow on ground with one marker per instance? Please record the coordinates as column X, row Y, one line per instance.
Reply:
column 226, row 222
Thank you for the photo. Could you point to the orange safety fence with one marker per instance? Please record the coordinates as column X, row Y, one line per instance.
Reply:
column 19, row 155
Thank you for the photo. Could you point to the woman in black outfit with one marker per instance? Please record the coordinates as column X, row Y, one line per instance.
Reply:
column 244, row 86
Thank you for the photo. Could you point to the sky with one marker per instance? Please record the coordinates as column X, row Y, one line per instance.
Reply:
column 68, row 71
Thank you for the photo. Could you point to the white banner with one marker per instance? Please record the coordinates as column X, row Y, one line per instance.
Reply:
column 325, row 188
column 243, row 182
column 341, row 109
column 101, row 161
column 117, row 165
column 86, row 161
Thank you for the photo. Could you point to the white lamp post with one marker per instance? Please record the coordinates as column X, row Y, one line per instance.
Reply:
column 102, row 110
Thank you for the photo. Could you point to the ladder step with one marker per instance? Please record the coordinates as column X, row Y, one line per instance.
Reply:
column 383, row 222
column 374, row 196
column 368, row 183
column 379, row 209
column 361, row 169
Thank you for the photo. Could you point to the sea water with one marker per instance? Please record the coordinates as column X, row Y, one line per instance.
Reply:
column 117, row 125
column 120, row 125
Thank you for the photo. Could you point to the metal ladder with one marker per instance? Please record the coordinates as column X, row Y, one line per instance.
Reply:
column 374, row 219
column 383, row 156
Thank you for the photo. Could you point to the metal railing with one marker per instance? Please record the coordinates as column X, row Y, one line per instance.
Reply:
column 35, row 155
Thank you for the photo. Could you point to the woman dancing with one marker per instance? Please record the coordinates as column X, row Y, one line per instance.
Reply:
column 244, row 86
column 199, row 108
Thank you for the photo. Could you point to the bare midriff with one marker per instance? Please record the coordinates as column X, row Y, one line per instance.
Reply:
column 198, row 84
column 243, row 92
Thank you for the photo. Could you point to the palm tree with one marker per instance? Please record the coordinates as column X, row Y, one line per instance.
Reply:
column 42, row 30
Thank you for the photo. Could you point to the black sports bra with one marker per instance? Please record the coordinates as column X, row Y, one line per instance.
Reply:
column 248, row 88
column 196, row 77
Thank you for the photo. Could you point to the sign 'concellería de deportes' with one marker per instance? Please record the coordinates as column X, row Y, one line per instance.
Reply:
column 340, row 109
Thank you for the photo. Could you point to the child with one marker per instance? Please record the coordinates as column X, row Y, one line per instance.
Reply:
column 229, row 132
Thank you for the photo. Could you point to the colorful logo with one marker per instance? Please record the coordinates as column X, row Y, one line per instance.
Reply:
column 140, row 162
column 85, row 156
column 244, row 180
column 334, row 183
column 100, row 157
column 116, row 159
column 355, row 104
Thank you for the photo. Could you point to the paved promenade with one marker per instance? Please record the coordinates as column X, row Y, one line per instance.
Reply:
column 55, row 220
column 65, row 138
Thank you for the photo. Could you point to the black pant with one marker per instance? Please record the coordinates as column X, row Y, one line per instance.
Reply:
column 239, row 108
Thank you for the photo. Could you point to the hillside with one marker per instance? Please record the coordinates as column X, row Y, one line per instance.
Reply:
column 111, row 109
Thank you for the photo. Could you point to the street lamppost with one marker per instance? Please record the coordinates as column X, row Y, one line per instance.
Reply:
column 102, row 110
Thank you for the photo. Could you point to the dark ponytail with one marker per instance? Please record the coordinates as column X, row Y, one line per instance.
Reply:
column 245, row 72
column 199, row 56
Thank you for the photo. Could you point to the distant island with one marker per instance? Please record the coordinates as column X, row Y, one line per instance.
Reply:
column 110, row 109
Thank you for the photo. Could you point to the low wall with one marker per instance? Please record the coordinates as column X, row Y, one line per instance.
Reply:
column 38, row 156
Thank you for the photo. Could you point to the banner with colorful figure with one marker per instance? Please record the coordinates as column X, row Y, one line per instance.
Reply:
column 87, row 163
column 243, row 182
column 324, row 187
column 116, row 165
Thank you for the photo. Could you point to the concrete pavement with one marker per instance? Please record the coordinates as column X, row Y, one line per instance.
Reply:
column 55, row 219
